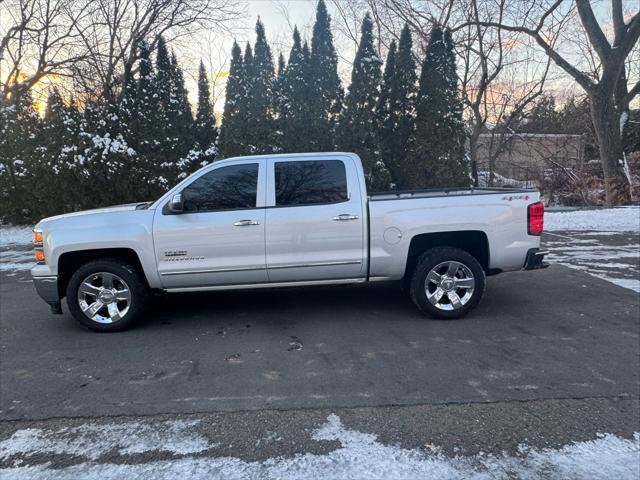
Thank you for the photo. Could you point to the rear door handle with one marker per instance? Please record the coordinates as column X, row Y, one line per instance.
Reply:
column 246, row 223
column 344, row 217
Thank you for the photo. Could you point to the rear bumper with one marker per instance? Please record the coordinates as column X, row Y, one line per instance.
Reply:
column 47, row 288
column 535, row 259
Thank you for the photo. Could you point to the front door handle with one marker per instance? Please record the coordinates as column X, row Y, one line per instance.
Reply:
column 246, row 223
column 344, row 217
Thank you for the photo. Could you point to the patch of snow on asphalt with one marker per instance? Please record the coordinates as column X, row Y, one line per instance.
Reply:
column 614, row 258
column 624, row 219
column 94, row 440
column 359, row 456
column 15, row 235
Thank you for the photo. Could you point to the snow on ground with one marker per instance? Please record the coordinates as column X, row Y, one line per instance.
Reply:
column 16, row 249
column 615, row 258
column 359, row 456
column 92, row 441
column 604, row 243
column 624, row 219
column 10, row 235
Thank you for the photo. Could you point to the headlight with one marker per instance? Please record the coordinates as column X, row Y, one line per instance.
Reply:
column 37, row 242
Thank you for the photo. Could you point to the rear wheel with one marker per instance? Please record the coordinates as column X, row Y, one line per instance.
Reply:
column 106, row 295
column 447, row 283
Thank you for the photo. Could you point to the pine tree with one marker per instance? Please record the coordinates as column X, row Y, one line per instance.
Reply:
column 359, row 125
column 127, row 106
column 19, row 125
column 105, row 163
column 180, row 102
column 279, row 105
column 260, row 105
column 384, row 111
column 146, row 126
column 397, row 110
column 174, row 126
column 234, row 114
column 188, row 155
column 544, row 117
column 164, row 77
column 56, row 146
column 437, row 146
column 295, row 122
column 205, row 123
column 325, row 92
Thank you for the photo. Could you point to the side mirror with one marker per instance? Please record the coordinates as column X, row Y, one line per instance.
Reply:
column 176, row 205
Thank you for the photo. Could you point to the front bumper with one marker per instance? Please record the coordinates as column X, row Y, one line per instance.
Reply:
column 47, row 288
column 535, row 259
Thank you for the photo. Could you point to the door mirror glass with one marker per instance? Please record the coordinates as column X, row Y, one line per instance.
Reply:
column 176, row 205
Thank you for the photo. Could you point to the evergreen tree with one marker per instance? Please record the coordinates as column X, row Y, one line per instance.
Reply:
column 234, row 114
column 57, row 145
column 189, row 156
column 174, row 140
column 325, row 92
column 281, row 66
column 19, row 125
column 437, row 146
column 260, row 88
column 397, row 110
column 146, row 104
column 384, row 108
column 180, row 103
column 544, row 117
column 359, row 125
column 164, row 77
column 105, row 164
column 279, row 105
column 205, row 123
column 295, row 122
column 127, row 106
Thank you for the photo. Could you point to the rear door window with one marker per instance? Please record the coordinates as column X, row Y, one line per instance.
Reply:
column 310, row 182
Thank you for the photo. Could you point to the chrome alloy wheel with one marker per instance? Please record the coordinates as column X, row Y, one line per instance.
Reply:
column 104, row 297
column 449, row 285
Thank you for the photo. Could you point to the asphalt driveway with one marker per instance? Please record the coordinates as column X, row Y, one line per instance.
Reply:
column 552, row 334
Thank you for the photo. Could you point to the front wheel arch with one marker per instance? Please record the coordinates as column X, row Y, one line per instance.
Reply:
column 70, row 262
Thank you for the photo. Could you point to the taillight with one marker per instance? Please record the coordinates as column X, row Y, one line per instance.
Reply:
column 535, row 216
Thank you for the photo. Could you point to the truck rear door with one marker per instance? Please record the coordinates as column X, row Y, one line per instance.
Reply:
column 315, row 220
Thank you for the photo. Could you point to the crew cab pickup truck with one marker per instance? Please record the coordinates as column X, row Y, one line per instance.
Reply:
column 281, row 221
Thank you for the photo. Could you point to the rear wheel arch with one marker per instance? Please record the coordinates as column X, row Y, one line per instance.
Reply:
column 474, row 242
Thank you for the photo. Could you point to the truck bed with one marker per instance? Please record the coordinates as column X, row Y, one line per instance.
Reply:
column 450, row 192
column 499, row 215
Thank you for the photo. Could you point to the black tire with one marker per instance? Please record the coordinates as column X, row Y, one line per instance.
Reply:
column 134, row 280
column 431, row 259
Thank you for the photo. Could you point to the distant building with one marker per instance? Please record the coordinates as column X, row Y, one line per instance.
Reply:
column 526, row 156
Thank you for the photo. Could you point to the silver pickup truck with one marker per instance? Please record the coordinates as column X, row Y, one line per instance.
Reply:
column 285, row 220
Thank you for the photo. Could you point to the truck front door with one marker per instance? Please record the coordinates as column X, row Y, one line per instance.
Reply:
column 219, row 238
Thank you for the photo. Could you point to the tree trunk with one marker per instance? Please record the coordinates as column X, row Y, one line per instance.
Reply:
column 473, row 155
column 606, row 123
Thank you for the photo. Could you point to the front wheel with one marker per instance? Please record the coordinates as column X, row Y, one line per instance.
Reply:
column 447, row 283
column 106, row 295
